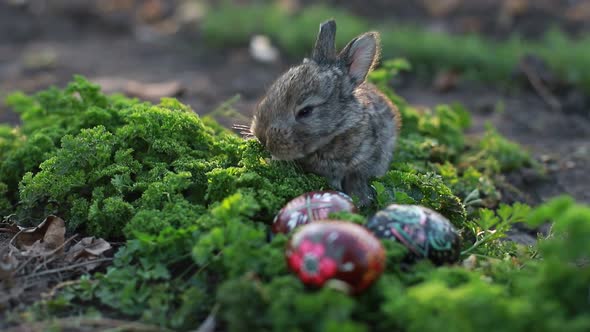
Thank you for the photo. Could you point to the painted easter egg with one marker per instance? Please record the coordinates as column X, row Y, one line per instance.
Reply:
column 334, row 250
column 426, row 233
column 310, row 207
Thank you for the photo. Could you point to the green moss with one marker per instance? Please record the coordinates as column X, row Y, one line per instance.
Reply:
column 152, row 158
column 193, row 203
column 178, row 213
column 272, row 184
column 433, row 142
column 421, row 189
column 495, row 154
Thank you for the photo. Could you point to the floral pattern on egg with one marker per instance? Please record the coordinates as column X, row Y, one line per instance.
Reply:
column 335, row 250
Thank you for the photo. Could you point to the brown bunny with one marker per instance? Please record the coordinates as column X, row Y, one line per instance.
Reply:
column 323, row 115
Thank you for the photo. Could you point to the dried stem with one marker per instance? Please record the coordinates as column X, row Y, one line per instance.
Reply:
column 63, row 284
column 89, row 324
column 69, row 267
column 44, row 255
column 540, row 88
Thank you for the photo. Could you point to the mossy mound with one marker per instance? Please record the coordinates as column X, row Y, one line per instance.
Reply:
column 193, row 203
column 113, row 165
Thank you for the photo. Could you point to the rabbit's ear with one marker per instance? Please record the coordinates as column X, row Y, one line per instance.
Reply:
column 360, row 55
column 325, row 45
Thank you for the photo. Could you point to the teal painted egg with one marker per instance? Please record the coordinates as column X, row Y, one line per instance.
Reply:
column 425, row 232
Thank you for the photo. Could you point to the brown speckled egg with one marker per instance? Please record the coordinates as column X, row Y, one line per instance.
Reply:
column 336, row 250
column 309, row 207
column 426, row 233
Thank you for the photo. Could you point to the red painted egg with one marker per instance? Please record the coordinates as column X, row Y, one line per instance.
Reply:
column 336, row 250
column 310, row 207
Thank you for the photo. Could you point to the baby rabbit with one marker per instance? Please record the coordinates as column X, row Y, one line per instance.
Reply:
column 323, row 115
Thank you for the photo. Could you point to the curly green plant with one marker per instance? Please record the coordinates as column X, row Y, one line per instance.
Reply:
column 193, row 203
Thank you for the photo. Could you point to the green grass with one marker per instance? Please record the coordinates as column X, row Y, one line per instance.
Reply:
column 476, row 57
column 193, row 204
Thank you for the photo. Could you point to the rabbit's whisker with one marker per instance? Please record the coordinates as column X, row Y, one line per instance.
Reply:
column 240, row 126
column 243, row 130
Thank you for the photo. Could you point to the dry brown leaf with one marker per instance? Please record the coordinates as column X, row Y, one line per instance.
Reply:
column 47, row 236
column 446, row 81
column 151, row 10
column 190, row 12
column 290, row 6
column 9, row 228
column 153, row 90
column 440, row 8
column 56, row 232
column 515, row 7
column 88, row 248
column 110, row 84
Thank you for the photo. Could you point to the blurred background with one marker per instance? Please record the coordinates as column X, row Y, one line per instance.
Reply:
column 521, row 65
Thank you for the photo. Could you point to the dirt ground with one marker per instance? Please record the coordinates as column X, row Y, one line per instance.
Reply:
column 43, row 45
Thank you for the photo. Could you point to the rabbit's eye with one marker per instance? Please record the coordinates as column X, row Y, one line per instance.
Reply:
column 304, row 112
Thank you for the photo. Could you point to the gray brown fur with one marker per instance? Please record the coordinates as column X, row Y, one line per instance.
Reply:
column 349, row 136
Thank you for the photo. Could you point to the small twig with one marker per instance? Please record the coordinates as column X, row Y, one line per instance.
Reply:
column 178, row 259
column 204, row 266
column 44, row 255
column 15, row 235
column 477, row 244
column 185, row 272
column 22, row 266
column 540, row 88
column 104, row 324
column 208, row 325
column 62, row 245
column 51, row 253
column 69, row 267
column 44, row 264
column 63, row 284
column 485, row 256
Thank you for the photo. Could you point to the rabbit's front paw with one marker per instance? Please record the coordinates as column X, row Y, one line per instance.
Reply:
column 335, row 183
column 357, row 186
